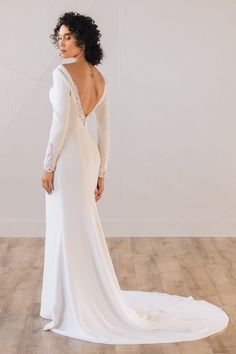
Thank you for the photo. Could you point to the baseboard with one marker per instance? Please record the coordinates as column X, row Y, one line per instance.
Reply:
column 131, row 228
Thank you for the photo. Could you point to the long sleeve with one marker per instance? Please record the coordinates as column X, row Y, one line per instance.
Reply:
column 103, row 134
column 60, row 102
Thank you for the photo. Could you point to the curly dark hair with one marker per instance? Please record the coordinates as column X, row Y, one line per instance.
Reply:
column 86, row 33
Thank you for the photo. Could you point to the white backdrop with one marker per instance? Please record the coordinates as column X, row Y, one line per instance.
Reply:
column 170, row 67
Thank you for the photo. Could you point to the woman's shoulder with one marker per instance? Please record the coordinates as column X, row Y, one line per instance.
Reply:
column 57, row 69
column 59, row 75
column 62, row 74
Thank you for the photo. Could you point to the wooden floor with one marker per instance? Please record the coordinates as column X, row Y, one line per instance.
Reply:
column 202, row 267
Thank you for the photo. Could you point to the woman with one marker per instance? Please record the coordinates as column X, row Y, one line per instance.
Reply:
column 80, row 293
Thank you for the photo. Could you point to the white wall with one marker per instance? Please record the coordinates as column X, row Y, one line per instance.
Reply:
column 170, row 66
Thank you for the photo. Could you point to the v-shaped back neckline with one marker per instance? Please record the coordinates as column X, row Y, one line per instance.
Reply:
column 77, row 92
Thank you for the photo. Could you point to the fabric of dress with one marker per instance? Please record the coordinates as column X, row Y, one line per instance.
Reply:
column 80, row 292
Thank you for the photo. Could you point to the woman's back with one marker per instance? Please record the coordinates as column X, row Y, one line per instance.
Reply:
column 90, row 85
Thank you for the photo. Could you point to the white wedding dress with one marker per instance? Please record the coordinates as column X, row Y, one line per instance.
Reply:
column 80, row 293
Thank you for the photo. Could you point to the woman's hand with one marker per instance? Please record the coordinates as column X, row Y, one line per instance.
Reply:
column 99, row 189
column 47, row 181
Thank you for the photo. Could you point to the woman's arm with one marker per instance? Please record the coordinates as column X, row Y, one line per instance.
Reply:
column 60, row 102
column 103, row 134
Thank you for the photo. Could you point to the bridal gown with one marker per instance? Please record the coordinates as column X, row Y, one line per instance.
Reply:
column 81, row 295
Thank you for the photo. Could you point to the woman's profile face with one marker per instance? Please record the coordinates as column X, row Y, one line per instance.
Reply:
column 67, row 43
